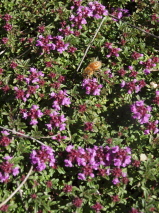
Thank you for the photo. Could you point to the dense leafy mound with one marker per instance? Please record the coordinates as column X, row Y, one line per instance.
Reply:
column 79, row 106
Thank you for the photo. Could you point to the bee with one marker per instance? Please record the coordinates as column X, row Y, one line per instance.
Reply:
column 91, row 69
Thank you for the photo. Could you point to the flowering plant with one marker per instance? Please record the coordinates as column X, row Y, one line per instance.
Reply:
column 75, row 138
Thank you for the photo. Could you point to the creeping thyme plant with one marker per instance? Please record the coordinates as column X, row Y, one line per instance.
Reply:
column 75, row 143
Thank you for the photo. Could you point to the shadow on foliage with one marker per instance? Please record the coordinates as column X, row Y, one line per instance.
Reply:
column 119, row 116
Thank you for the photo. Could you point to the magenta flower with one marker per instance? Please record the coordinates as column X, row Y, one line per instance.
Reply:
column 5, row 40
column 77, row 202
column 81, row 176
column 141, row 112
column 91, row 159
column 115, row 181
column 98, row 10
column 4, row 140
column 72, row 49
column 133, row 86
column 88, row 126
column 60, row 99
column 7, row 27
column 68, row 163
column 34, row 113
column 7, row 169
column 39, row 158
column 59, row 137
column 20, row 94
column 97, row 207
column 7, row 17
column 92, row 87
column 15, row 171
column 7, row 157
column 57, row 121
column 69, row 148
column 136, row 55
column 4, row 132
column 119, row 13
column 113, row 51
column 33, row 122
column 50, row 43
column 151, row 127
column 66, row 31
column 13, row 65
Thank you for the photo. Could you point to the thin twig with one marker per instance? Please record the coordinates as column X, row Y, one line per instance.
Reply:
column 69, row 133
column 20, row 192
column 134, row 26
column 40, row 137
column 5, row 201
column 12, row 59
column 2, row 52
column 22, row 53
column 89, row 45
column 26, row 136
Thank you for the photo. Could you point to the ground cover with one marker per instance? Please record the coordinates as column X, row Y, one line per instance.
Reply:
column 79, row 97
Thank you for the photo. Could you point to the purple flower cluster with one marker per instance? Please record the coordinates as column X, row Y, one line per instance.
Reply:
column 119, row 13
column 92, row 87
column 24, row 95
column 141, row 112
column 150, row 63
column 92, row 159
column 133, row 73
column 133, row 210
column 5, row 40
column 136, row 55
column 98, row 10
column 109, row 73
column 39, row 158
column 13, row 65
column 60, row 99
column 34, row 113
column 76, row 4
column 97, row 207
column 134, row 85
column 66, row 31
column 56, row 121
column 72, row 49
column 7, row 26
column 7, row 17
column 94, row 9
column 49, row 43
column 35, row 78
column 151, row 127
column 4, row 140
column 113, row 51
column 88, row 126
column 7, row 169
column 154, row 17
column 59, row 137
column 156, row 100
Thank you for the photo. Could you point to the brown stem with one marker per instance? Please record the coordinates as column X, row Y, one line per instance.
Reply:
column 19, row 187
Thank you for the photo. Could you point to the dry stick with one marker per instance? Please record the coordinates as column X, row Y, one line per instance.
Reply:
column 134, row 26
column 23, row 53
column 90, row 44
column 99, row 29
column 12, row 59
column 26, row 136
column 4, row 202
column 22, row 198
